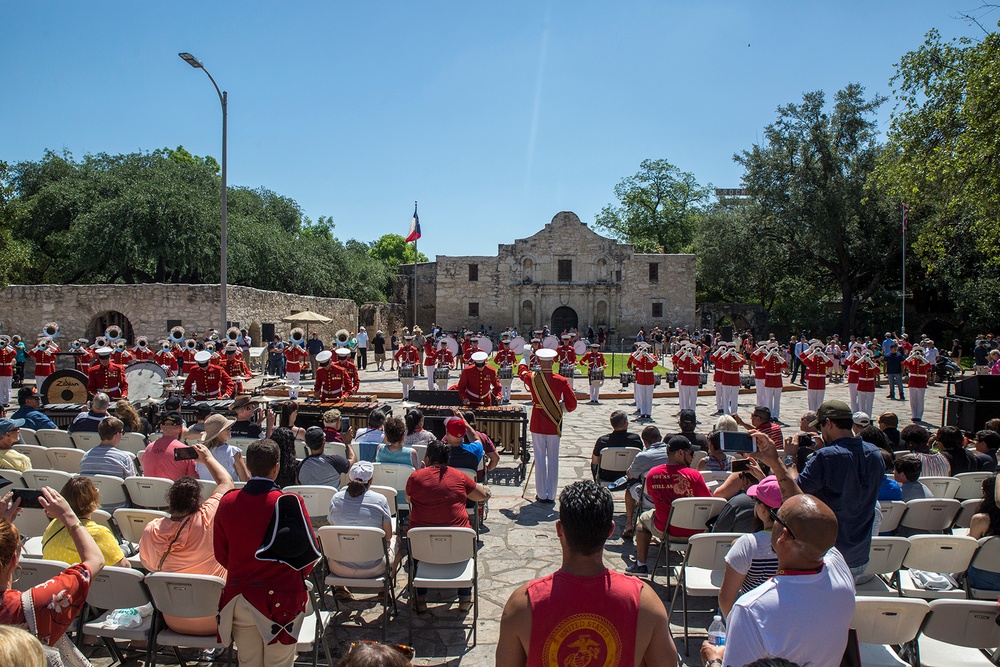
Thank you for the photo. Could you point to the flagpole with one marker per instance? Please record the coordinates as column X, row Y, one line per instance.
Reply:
column 414, row 271
column 902, row 326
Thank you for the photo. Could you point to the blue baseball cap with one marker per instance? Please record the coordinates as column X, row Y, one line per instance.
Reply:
column 8, row 425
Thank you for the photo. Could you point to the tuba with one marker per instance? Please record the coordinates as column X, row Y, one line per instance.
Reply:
column 142, row 342
column 191, row 343
column 177, row 335
column 297, row 337
column 342, row 337
column 233, row 334
column 50, row 330
column 113, row 333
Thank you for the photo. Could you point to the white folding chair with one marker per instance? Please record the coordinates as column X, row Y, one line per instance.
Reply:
column 332, row 449
column 132, row 521
column 86, row 440
column 987, row 558
column 925, row 515
column 66, row 459
column 892, row 512
column 317, row 500
column 936, row 553
column 53, row 437
column 472, row 507
column 242, row 443
column 443, row 558
column 615, row 460
column 36, row 479
column 689, row 514
column 36, row 453
column 391, row 474
column 421, row 451
column 183, row 596
column 702, row 571
column 882, row 622
column 885, row 558
column 111, row 489
column 31, row 523
column 36, row 571
column 956, row 632
column 360, row 544
column 970, row 485
column 15, row 479
column 208, row 487
column 133, row 442
column 698, row 456
column 390, row 497
column 150, row 492
column 942, row 487
column 117, row 588
column 964, row 519
column 28, row 436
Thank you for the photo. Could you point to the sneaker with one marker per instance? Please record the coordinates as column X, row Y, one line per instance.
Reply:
column 637, row 570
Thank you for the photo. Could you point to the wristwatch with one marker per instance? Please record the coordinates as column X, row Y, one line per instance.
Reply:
column 713, row 662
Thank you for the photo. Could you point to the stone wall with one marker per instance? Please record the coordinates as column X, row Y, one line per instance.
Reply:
column 384, row 316
column 426, row 293
column 79, row 309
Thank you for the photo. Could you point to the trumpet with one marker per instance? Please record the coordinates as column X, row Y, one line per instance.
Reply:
column 50, row 330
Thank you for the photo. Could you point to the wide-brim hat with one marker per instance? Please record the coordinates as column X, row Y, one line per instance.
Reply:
column 241, row 401
column 216, row 424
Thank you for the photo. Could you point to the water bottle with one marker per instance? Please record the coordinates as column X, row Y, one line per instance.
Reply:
column 124, row 618
column 717, row 632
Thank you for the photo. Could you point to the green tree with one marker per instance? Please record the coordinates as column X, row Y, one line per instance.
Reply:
column 657, row 209
column 811, row 180
column 394, row 250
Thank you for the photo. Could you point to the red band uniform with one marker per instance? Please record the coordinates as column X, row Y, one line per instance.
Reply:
column 479, row 386
column 211, row 381
column 332, row 383
column 142, row 353
column 642, row 363
column 545, row 432
column 918, row 369
column 108, row 379
column 688, row 369
column 816, row 368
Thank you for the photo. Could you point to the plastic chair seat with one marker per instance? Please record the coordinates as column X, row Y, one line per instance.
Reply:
column 935, row 653
column 445, row 575
column 369, row 583
column 307, row 631
column 98, row 628
column 703, row 583
column 879, row 655
column 875, row 586
column 168, row 637
column 909, row 590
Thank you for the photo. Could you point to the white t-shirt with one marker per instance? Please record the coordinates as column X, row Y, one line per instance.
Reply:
column 751, row 555
column 760, row 627
column 225, row 454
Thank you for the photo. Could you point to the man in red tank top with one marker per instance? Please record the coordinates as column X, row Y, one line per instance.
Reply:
column 584, row 613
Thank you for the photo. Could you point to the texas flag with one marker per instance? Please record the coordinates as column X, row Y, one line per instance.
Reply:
column 414, row 227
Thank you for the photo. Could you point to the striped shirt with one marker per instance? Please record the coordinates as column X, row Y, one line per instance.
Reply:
column 107, row 460
column 751, row 555
column 934, row 464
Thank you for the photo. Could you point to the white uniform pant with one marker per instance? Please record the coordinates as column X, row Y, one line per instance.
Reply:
column 505, row 389
column 866, row 400
column 430, row 378
column 916, row 402
column 758, row 384
column 595, row 391
column 293, row 378
column 720, row 396
column 407, row 385
column 39, row 381
column 730, row 398
column 775, row 403
column 546, row 449
column 687, row 396
column 815, row 398
column 644, row 398
column 5, row 384
column 852, row 390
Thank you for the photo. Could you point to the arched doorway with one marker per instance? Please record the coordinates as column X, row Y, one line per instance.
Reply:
column 101, row 322
column 564, row 318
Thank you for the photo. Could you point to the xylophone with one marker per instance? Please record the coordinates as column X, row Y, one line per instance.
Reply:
column 506, row 425
column 64, row 413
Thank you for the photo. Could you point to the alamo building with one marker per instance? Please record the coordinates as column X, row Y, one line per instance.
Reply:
column 566, row 276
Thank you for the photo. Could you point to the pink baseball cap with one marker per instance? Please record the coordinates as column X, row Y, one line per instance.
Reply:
column 767, row 491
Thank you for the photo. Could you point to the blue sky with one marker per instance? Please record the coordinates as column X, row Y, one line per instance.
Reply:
column 495, row 116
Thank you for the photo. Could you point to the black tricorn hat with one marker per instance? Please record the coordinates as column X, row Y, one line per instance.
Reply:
column 289, row 538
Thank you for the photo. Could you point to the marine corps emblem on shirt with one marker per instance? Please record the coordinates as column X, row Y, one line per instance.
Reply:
column 583, row 640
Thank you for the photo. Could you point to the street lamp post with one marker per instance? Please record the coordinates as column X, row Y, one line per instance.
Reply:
column 224, row 99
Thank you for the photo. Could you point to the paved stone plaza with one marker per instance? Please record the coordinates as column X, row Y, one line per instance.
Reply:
column 519, row 540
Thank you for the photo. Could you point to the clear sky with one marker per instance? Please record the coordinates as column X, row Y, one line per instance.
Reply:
column 494, row 115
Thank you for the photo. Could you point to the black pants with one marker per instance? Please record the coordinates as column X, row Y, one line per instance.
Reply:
column 363, row 357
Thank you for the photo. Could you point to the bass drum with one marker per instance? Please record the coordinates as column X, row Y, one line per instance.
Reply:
column 452, row 345
column 580, row 347
column 64, row 386
column 550, row 342
column 517, row 345
column 485, row 344
column 145, row 380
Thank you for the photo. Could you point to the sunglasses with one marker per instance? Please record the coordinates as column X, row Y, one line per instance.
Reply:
column 774, row 515
column 406, row 651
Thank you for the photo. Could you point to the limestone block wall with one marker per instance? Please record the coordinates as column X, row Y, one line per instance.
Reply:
column 80, row 310
column 384, row 316
column 673, row 289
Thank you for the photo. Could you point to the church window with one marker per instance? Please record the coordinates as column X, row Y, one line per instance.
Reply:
column 473, row 273
column 565, row 270
column 473, row 309
column 654, row 272
column 657, row 309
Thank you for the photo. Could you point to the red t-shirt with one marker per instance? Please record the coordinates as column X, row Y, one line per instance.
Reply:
column 158, row 461
column 667, row 483
column 437, row 497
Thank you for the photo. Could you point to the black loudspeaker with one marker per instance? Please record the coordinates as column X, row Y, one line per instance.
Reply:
column 426, row 397
column 727, row 334
column 980, row 387
column 968, row 414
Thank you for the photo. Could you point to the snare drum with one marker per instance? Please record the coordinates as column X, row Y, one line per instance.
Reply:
column 568, row 371
column 657, row 379
column 596, row 376
column 702, row 379
column 405, row 373
column 505, row 373
column 442, row 374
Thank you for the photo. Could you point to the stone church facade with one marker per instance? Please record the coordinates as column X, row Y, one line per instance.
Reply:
column 565, row 276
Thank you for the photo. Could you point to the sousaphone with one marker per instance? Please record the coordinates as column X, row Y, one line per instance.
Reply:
column 50, row 330
column 342, row 336
column 233, row 334
column 298, row 336
column 113, row 333
column 177, row 335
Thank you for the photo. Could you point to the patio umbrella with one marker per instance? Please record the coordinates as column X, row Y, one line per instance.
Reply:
column 307, row 316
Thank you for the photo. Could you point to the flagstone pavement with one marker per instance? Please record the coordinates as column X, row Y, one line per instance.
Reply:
column 519, row 541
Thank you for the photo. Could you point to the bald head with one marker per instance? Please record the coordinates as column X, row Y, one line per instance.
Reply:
column 813, row 524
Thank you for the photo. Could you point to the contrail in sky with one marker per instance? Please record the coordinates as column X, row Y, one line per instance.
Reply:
column 539, row 80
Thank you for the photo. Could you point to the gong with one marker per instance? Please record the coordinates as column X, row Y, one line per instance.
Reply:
column 64, row 386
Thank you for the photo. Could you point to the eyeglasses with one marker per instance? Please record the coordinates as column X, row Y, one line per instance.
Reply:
column 406, row 651
column 774, row 515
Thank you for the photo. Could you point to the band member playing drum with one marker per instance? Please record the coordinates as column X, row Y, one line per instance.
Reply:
column 107, row 377
column 505, row 360
column 235, row 366
column 595, row 363
column 478, row 384
column 332, row 381
column 208, row 382
column 551, row 396
column 444, row 360
column 429, row 355
column 642, row 363
column 465, row 350
column 567, row 359
column 408, row 359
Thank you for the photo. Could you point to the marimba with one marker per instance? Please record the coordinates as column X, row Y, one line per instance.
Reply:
column 311, row 414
